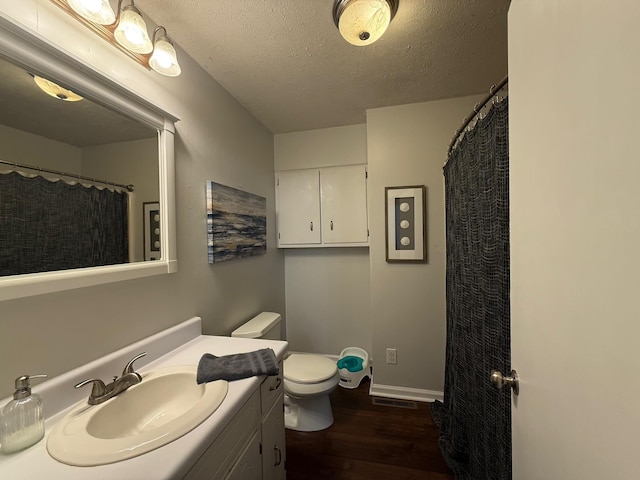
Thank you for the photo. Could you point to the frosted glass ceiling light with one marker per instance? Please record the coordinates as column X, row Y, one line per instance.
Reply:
column 131, row 31
column 362, row 22
column 164, row 59
column 55, row 90
column 97, row 11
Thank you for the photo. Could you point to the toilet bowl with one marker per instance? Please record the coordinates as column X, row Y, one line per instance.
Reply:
column 308, row 378
column 308, row 381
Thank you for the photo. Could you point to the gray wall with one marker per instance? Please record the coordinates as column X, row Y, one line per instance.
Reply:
column 327, row 289
column 407, row 146
column 216, row 139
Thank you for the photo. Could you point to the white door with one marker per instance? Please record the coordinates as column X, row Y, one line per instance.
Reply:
column 344, row 204
column 574, row 99
column 298, row 207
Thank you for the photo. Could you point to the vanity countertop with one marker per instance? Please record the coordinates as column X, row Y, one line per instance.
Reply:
column 171, row 461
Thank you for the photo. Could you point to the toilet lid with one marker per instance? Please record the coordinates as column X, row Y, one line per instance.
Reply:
column 309, row 368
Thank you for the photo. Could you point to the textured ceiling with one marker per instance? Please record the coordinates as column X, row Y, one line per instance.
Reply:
column 285, row 61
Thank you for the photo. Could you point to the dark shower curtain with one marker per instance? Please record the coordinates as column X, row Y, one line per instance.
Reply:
column 46, row 226
column 475, row 418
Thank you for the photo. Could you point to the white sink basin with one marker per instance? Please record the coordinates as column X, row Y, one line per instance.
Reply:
column 167, row 404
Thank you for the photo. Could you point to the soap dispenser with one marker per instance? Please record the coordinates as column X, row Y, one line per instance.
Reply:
column 22, row 419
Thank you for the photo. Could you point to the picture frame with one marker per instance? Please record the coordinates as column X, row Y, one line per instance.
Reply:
column 236, row 223
column 405, row 223
column 151, row 231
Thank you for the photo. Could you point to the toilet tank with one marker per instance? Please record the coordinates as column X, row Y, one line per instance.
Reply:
column 266, row 325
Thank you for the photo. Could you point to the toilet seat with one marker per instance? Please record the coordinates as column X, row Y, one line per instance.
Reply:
column 309, row 369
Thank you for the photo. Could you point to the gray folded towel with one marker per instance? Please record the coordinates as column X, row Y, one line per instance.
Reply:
column 237, row 366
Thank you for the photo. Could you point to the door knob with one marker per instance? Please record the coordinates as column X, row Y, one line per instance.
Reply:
column 499, row 380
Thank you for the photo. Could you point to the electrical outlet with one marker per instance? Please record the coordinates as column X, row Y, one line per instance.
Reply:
column 392, row 356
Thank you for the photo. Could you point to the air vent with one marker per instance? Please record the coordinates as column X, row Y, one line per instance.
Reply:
column 393, row 402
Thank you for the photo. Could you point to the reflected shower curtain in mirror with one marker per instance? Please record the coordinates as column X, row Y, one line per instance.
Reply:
column 475, row 418
column 53, row 225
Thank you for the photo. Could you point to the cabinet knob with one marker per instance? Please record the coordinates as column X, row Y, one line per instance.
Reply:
column 277, row 385
column 278, row 455
column 331, row 224
column 311, row 226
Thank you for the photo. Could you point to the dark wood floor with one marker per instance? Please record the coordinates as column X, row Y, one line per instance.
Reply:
column 368, row 442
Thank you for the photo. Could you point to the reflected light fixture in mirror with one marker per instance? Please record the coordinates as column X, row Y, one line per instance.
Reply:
column 55, row 90
column 362, row 22
column 127, row 31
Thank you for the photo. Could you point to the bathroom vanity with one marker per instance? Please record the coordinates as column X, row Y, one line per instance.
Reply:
column 243, row 438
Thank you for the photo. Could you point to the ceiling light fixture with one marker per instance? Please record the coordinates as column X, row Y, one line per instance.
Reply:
column 98, row 11
column 362, row 22
column 131, row 31
column 164, row 59
column 55, row 90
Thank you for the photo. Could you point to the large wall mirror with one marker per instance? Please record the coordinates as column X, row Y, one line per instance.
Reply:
column 95, row 175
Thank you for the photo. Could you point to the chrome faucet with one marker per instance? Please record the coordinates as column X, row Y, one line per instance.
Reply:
column 101, row 392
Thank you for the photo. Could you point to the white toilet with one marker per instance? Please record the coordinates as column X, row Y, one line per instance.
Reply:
column 308, row 378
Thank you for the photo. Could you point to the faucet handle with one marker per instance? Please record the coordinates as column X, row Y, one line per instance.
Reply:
column 99, row 388
column 129, row 366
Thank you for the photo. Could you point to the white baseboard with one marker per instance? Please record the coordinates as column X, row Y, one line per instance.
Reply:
column 405, row 393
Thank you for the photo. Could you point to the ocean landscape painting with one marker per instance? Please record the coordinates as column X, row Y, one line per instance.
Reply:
column 236, row 223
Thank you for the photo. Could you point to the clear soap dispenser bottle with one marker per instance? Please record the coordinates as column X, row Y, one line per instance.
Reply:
column 22, row 419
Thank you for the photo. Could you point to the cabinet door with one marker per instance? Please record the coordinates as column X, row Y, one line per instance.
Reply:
column 249, row 464
column 273, row 443
column 298, row 207
column 344, row 204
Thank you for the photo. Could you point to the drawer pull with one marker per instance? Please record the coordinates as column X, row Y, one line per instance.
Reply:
column 277, row 386
column 278, row 456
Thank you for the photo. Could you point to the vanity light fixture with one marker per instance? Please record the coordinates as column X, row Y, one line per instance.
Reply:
column 362, row 22
column 55, row 90
column 127, row 31
column 164, row 59
column 97, row 11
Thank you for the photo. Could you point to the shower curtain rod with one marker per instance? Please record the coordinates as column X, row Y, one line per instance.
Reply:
column 476, row 110
column 129, row 187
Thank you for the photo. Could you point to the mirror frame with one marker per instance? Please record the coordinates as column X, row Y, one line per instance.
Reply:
column 38, row 56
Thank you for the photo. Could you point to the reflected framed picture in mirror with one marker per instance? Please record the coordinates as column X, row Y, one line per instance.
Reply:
column 406, row 225
column 151, row 235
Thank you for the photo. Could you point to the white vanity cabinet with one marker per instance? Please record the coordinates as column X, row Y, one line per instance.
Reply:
column 252, row 445
column 322, row 207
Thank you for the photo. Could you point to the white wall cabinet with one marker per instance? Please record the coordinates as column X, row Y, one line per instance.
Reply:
column 252, row 445
column 298, row 207
column 322, row 207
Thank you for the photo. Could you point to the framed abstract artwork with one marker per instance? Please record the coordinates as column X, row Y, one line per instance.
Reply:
column 406, row 226
column 236, row 223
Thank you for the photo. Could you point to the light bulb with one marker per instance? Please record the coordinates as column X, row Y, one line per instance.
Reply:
column 164, row 59
column 131, row 31
column 97, row 11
